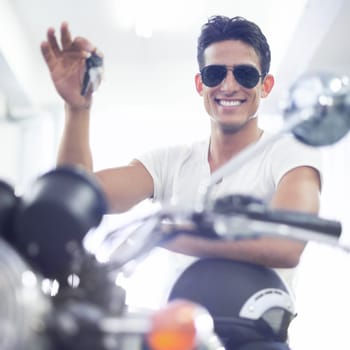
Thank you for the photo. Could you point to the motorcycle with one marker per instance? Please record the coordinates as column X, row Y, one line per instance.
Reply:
column 58, row 295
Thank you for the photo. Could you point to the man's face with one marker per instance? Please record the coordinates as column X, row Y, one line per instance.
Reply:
column 229, row 104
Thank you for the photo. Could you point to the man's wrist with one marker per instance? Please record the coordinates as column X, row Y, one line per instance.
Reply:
column 77, row 110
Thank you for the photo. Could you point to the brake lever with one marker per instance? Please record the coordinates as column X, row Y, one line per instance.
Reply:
column 93, row 73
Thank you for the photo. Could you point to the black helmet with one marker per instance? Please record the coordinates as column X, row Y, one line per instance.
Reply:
column 248, row 302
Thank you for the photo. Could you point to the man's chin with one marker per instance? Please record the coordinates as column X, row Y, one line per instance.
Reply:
column 230, row 128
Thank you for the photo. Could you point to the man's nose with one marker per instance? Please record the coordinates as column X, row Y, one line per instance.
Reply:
column 229, row 83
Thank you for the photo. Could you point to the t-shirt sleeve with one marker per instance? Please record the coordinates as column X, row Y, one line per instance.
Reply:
column 290, row 153
column 161, row 163
column 156, row 163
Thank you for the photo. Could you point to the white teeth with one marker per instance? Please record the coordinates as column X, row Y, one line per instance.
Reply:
column 230, row 103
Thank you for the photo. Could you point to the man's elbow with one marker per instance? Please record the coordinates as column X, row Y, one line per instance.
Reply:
column 292, row 261
column 293, row 256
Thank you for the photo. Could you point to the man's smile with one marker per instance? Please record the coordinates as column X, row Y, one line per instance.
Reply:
column 229, row 103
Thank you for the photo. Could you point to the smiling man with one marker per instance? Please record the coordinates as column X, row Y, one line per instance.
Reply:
column 234, row 59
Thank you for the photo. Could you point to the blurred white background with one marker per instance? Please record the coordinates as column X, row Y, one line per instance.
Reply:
column 148, row 99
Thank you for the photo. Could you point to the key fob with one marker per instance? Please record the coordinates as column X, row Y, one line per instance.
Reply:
column 93, row 73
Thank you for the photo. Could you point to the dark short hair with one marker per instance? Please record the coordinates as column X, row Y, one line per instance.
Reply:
column 219, row 28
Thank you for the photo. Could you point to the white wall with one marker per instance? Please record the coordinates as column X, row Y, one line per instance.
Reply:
column 323, row 284
column 9, row 152
column 28, row 149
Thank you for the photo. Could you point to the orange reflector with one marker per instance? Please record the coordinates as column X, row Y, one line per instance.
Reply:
column 173, row 327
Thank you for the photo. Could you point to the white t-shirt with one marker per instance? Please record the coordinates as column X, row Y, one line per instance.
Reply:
column 179, row 173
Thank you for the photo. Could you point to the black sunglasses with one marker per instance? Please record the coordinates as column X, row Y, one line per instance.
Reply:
column 246, row 75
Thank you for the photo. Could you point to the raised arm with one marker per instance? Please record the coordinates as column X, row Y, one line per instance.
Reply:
column 66, row 63
column 123, row 186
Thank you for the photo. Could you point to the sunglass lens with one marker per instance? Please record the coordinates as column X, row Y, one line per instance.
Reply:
column 213, row 75
column 247, row 76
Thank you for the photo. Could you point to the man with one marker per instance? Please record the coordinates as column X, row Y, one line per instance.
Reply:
column 234, row 60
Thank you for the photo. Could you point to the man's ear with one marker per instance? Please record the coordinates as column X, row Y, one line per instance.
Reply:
column 199, row 84
column 267, row 85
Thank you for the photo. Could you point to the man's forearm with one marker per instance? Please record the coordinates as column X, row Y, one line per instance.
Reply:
column 270, row 252
column 74, row 148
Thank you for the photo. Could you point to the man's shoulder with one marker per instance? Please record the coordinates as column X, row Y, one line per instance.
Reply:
column 287, row 141
column 289, row 150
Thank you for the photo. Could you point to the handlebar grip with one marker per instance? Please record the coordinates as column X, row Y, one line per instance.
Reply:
column 254, row 208
column 302, row 220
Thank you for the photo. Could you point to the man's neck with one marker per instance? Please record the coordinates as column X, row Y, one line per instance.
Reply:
column 224, row 146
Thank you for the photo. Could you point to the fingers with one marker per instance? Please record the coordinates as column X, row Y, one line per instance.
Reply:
column 82, row 44
column 46, row 52
column 52, row 48
column 66, row 39
column 52, row 42
column 78, row 43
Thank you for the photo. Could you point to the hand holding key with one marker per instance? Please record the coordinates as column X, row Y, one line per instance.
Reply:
column 74, row 65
